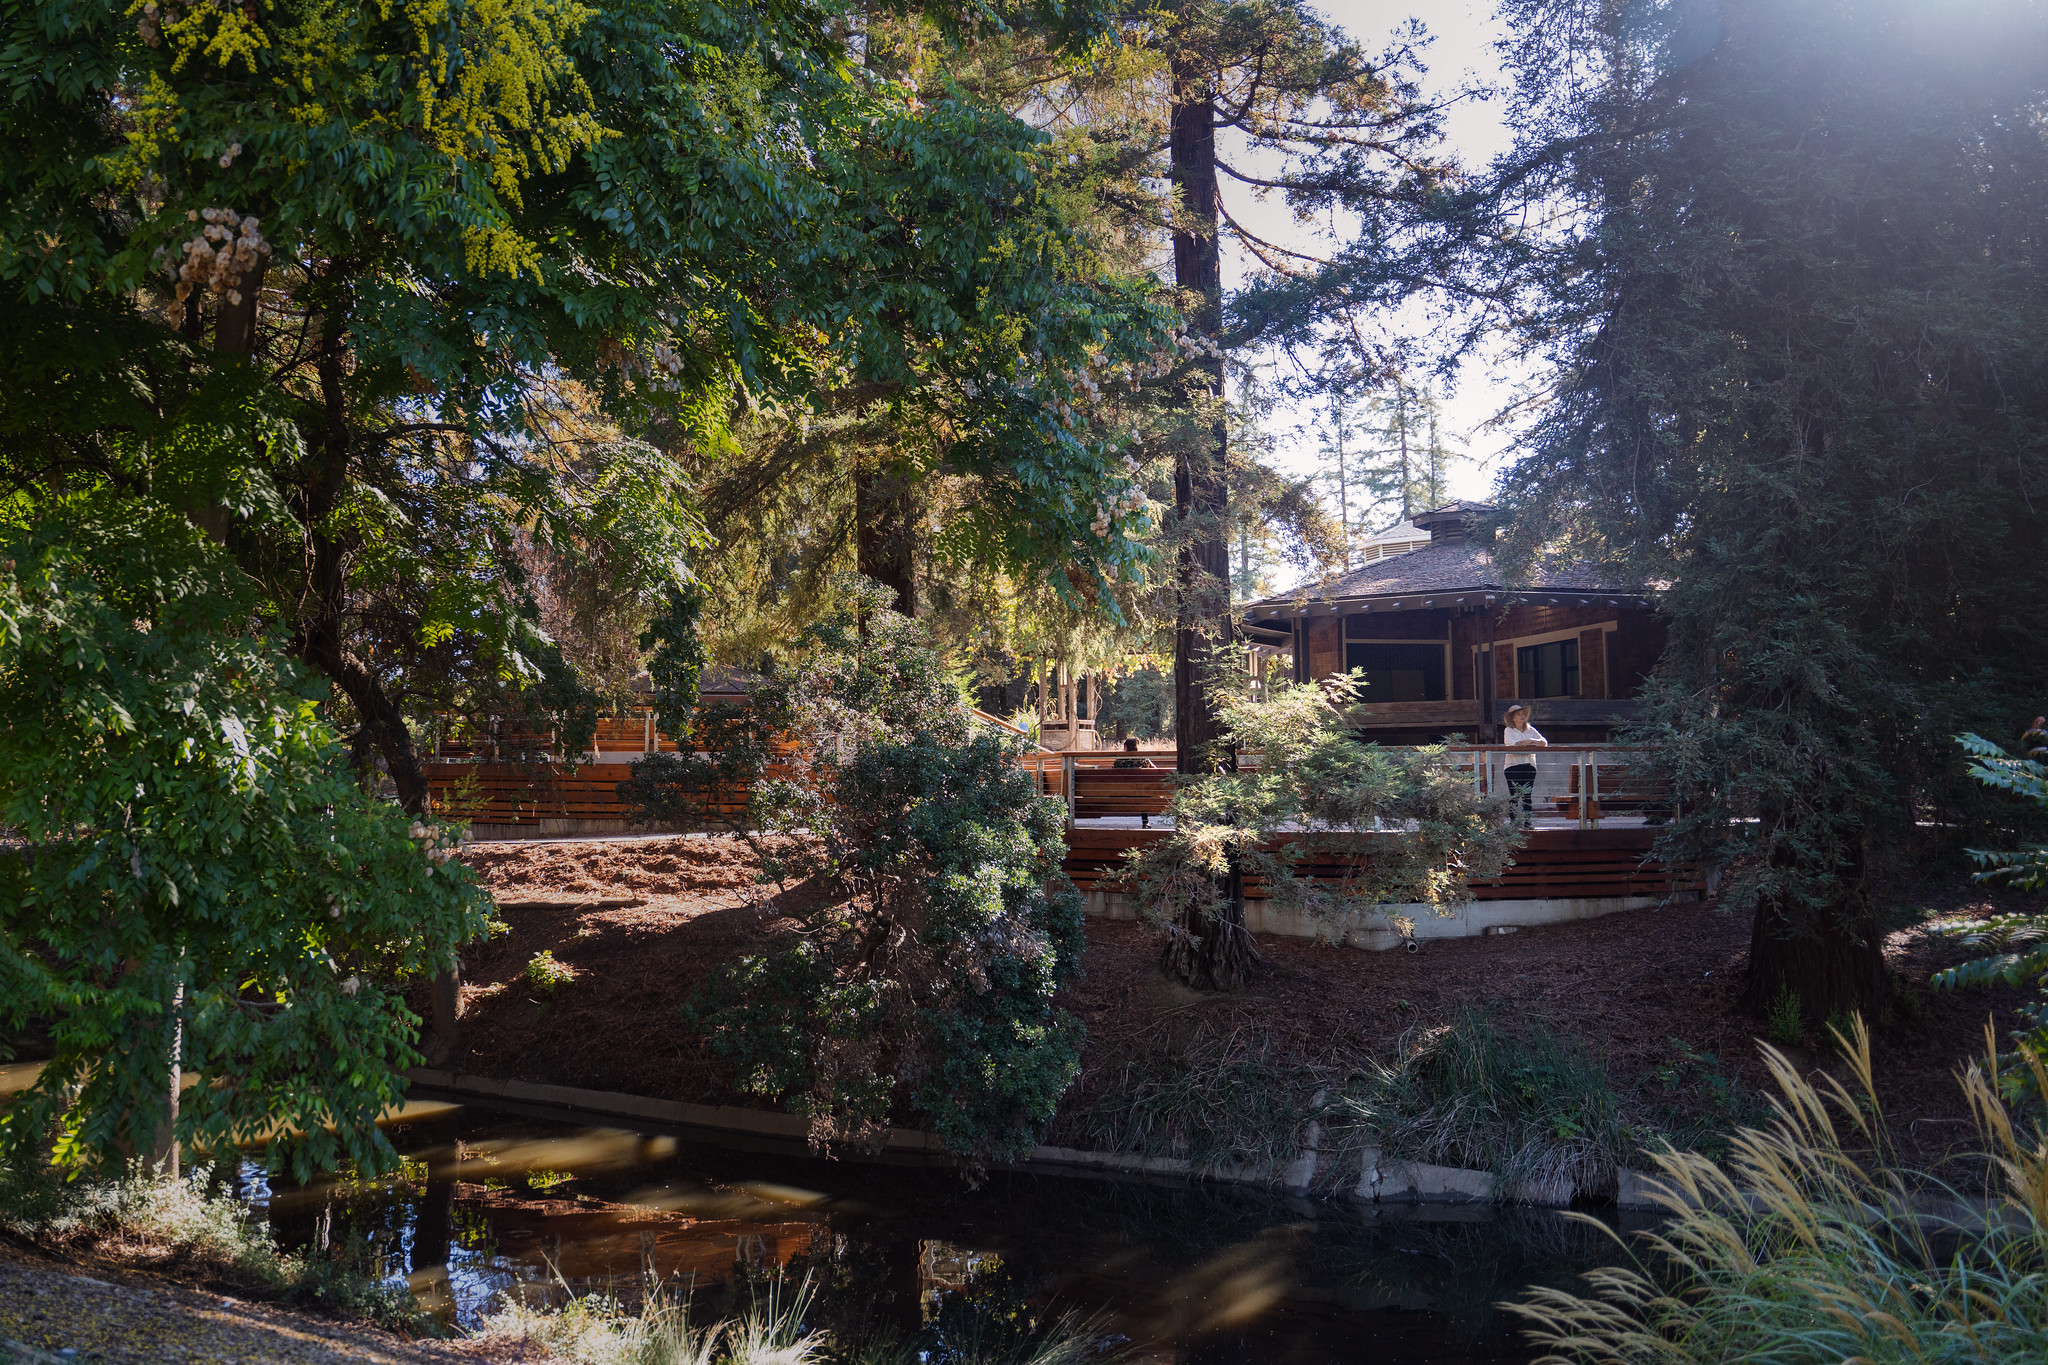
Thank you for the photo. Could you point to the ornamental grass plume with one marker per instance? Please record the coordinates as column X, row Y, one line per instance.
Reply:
column 1811, row 1244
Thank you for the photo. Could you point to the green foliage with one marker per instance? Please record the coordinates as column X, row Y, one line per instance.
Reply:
column 678, row 659
column 1535, row 1110
column 1375, row 825
column 2018, row 942
column 1140, row 704
column 412, row 425
column 709, row 780
column 196, row 869
column 543, row 973
column 925, row 977
column 1802, row 1246
column 200, row 1226
column 1786, row 1023
column 1785, row 292
column 2024, row 776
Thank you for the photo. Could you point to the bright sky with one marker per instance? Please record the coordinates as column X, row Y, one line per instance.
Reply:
column 1463, row 34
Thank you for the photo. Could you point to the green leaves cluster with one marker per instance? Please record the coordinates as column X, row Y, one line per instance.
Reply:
column 1332, row 823
column 2019, row 942
column 197, row 878
column 924, row 977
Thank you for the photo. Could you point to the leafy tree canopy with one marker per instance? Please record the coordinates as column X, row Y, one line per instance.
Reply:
column 199, row 884
column 428, row 242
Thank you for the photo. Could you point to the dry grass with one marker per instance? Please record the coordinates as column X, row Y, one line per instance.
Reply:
column 1811, row 1244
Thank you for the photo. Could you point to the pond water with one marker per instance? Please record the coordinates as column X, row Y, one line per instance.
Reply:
column 492, row 1204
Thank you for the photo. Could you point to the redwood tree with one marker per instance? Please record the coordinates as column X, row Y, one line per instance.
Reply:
column 1345, row 129
column 1794, row 296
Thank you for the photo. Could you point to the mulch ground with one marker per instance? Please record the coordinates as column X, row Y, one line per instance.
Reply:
column 113, row 1316
column 1631, row 987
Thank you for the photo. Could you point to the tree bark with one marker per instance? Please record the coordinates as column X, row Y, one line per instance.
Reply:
column 163, row 1147
column 320, row 637
column 1831, row 959
column 885, row 527
column 1200, row 494
column 1207, row 952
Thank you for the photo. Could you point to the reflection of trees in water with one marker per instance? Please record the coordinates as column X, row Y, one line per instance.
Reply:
column 1456, row 1268
column 1204, row 1264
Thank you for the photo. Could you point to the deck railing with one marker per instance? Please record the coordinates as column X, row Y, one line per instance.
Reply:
column 1583, row 784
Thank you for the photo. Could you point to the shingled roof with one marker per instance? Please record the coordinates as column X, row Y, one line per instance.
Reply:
column 1444, row 566
column 1454, row 569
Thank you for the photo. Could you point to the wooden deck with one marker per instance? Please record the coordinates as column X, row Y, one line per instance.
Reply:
column 1577, row 852
column 1555, row 864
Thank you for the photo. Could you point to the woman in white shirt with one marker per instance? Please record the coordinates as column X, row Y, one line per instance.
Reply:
column 1520, row 732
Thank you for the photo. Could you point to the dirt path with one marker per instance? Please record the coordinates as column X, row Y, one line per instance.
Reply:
column 50, row 1313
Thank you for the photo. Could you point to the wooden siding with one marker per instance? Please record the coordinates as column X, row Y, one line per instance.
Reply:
column 1593, row 662
column 1325, row 647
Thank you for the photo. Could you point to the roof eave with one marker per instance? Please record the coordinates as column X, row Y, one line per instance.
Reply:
column 1437, row 599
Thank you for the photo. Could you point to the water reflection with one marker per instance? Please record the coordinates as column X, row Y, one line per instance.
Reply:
column 489, row 1205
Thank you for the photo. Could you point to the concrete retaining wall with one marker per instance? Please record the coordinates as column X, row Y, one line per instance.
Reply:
column 1373, row 931
column 1377, row 1182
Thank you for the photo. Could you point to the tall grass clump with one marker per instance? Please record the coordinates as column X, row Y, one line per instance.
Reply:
column 1808, row 1245
column 775, row 1328
column 1530, row 1107
column 137, row 1217
column 1233, row 1097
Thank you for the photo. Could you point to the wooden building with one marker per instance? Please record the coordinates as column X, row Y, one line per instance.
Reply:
column 1445, row 645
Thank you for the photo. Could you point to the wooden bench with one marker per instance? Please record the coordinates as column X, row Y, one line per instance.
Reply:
column 1103, row 792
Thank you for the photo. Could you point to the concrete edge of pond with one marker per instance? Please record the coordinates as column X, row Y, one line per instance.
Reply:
column 1379, row 1182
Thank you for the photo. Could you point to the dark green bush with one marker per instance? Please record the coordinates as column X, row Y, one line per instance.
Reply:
column 924, row 978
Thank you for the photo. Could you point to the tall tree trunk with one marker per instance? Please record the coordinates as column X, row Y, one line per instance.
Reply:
column 1200, row 493
column 1207, row 953
column 885, row 531
column 320, row 640
column 1831, row 958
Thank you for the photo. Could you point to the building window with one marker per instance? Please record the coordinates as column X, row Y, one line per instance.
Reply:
column 1399, row 672
column 1550, row 670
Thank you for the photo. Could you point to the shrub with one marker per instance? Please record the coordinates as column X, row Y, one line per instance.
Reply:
column 708, row 784
column 190, row 1221
column 544, row 973
column 1376, row 825
column 926, row 976
column 1801, row 1249
column 198, row 875
column 1532, row 1108
column 1786, row 1022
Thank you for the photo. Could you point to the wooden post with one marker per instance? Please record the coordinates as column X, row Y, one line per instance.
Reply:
column 1485, row 681
column 1067, row 780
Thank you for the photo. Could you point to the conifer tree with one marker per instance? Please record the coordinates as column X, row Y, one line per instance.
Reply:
column 1794, row 288
column 1345, row 127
